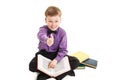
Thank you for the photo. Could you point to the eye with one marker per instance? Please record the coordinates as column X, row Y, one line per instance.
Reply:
column 56, row 21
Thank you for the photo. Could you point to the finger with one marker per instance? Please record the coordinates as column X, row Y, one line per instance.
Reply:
column 51, row 36
column 49, row 65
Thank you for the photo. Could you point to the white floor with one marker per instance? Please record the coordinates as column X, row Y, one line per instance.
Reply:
column 81, row 74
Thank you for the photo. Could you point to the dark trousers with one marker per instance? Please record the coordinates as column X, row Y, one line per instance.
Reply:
column 51, row 55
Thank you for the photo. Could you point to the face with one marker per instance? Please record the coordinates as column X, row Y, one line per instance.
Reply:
column 53, row 22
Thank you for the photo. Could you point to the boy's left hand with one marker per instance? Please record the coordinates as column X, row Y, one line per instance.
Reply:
column 52, row 64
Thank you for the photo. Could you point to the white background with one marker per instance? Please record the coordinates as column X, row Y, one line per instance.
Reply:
column 92, row 26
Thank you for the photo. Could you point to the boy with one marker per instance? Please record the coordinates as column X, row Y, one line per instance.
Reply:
column 53, row 44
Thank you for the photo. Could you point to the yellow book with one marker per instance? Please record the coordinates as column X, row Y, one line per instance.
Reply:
column 81, row 56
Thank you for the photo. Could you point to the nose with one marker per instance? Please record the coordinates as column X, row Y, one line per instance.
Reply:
column 53, row 24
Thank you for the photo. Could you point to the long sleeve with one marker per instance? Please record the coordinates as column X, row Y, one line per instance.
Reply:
column 62, row 48
column 42, row 35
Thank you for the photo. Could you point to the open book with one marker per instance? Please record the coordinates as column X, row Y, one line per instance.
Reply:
column 61, row 67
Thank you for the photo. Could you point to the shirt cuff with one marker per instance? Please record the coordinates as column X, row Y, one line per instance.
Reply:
column 58, row 58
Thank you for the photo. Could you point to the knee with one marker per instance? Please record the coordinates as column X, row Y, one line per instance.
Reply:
column 74, row 63
column 33, row 65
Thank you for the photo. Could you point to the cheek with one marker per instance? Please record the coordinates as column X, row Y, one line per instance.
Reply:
column 48, row 23
column 58, row 23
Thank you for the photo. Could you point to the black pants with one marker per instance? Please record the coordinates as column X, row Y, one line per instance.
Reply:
column 51, row 55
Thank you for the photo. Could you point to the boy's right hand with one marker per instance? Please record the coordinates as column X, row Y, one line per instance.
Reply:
column 50, row 40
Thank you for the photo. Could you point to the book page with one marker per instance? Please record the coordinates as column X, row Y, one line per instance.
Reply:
column 45, row 64
column 61, row 67
column 62, row 64
column 58, row 66
column 42, row 64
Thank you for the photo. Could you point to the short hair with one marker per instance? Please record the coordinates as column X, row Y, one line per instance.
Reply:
column 53, row 11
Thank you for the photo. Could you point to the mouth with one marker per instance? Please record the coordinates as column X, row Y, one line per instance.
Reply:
column 53, row 28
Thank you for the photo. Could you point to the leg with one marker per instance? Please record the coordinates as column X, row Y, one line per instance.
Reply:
column 42, row 76
column 33, row 65
column 60, row 77
column 74, row 62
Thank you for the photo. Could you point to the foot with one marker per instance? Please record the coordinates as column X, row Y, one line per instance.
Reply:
column 42, row 77
column 71, row 73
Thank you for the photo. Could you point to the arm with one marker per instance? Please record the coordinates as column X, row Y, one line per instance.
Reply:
column 62, row 48
column 61, row 52
column 42, row 35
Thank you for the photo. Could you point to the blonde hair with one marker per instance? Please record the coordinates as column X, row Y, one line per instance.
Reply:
column 53, row 11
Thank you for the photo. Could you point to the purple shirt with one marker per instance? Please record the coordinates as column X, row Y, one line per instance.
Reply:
column 60, row 41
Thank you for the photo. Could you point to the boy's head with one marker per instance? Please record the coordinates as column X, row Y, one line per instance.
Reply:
column 53, row 17
column 53, row 11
